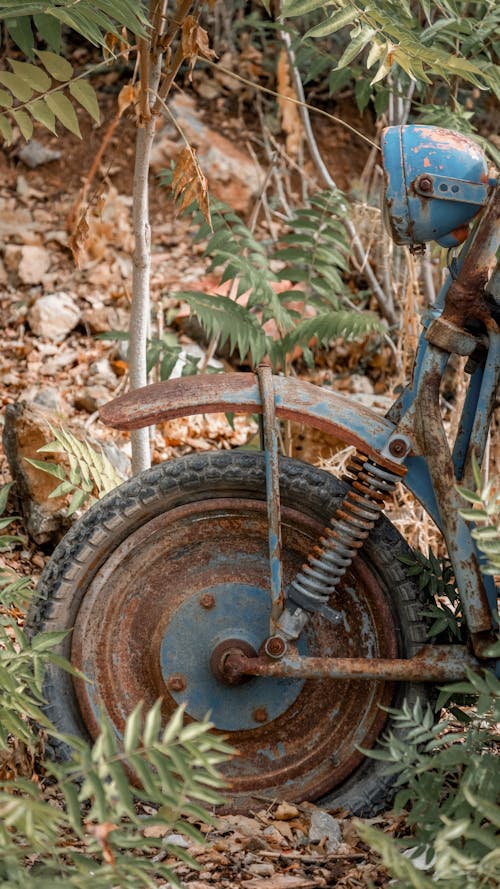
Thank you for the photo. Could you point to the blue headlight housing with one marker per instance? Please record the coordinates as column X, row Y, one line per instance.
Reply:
column 436, row 181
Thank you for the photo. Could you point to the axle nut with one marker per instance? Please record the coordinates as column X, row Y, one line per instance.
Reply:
column 176, row 682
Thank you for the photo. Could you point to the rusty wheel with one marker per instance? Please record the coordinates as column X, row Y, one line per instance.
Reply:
column 170, row 571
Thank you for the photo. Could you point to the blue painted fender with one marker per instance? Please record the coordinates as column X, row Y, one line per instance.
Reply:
column 296, row 400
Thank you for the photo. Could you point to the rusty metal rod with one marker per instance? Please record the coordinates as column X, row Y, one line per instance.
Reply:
column 431, row 664
column 271, row 455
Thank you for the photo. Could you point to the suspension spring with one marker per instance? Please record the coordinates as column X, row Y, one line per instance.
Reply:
column 345, row 535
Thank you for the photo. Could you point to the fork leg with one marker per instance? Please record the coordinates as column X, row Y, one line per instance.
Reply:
column 270, row 442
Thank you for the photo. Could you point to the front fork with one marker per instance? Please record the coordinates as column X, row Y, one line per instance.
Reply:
column 371, row 480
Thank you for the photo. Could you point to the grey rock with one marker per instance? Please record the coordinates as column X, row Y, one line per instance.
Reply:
column 34, row 264
column 177, row 839
column 261, row 869
column 117, row 458
column 34, row 154
column 324, row 827
column 49, row 398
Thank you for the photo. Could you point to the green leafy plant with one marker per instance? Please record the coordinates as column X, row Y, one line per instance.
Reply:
column 450, row 782
column 435, row 576
column 162, row 353
column 394, row 36
column 15, row 591
column 90, row 475
column 450, row 785
column 99, row 832
column 42, row 89
column 311, row 257
column 485, row 514
column 93, row 19
column 102, row 828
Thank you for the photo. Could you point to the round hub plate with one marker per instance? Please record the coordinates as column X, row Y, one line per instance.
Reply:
column 239, row 611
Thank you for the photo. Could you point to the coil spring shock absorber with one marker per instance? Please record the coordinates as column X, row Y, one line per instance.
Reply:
column 346, row 534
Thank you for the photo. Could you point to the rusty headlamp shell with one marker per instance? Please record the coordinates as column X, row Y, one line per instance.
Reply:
column 436, row 181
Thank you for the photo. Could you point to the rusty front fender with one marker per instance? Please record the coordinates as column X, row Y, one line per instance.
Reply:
column 301, row 402
column 239, row 393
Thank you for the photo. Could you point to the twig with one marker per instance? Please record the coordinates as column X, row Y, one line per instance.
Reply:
column 270, row 92
column 312, row 859
column 140, row 309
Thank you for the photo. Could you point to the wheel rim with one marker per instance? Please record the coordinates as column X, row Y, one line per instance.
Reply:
column 196, row 577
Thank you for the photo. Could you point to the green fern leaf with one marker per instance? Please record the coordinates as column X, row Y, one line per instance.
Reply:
column 324, row 328
column 234, row 323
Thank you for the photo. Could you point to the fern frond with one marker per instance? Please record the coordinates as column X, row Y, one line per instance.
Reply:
column 315, row 250
column 331, row 325
column 91, row 474
column 220, row 315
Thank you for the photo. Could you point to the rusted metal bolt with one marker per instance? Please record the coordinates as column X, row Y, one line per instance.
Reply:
column 275, row 646
column 176, row 682
column 398, row 447
column 207, row 601
column 260, row 714
column 426, row 184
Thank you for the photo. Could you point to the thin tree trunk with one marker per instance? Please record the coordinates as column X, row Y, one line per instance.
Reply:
column 140, row 309
column 141, row 271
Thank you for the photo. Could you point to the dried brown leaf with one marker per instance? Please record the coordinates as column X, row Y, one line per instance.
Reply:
column 289, row 112
column 126, row 97
column 195, row 41
column 101, row 833
column 189, row 183
column 79, row 237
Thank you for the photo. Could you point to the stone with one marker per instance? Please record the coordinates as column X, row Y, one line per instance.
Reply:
column 102, row 371
column 34, row 154
column 101, row 319
column 27, row 428
column 324, row 828
column 33, row 265
column 12, row 257
column 117, row 457
column 14, row 220
column 54, row 316
column 49, row 398
column 177, row 839
column 261, row 869
column 359, row 384
column 91, row 398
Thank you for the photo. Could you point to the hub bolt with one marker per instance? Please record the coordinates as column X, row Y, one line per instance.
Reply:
column 207, row 601
column 275, row 646
column 260, row 714
column 176, row 682
column 398, row 447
